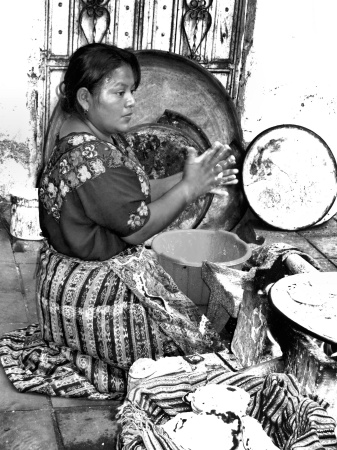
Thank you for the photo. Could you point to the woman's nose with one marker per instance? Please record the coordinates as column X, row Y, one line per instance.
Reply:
column 130, row 100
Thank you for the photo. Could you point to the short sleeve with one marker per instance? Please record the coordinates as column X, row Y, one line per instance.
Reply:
column 117, row 199
column 106, row 181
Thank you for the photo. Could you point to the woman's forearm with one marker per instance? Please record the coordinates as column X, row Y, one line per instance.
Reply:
column 161, row 186
column 162, row 212
column 172, row 195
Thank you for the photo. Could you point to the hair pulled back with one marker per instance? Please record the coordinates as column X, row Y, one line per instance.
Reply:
column 88, row 67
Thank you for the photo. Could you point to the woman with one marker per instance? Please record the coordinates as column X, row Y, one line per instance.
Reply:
column 103, row 300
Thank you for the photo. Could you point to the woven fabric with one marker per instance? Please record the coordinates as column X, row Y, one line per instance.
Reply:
column 96, row 319
column 290, row 419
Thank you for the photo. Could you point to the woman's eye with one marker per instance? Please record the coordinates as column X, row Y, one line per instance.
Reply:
column 121, row 93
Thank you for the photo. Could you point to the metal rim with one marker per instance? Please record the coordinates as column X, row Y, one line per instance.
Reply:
column 250, row 148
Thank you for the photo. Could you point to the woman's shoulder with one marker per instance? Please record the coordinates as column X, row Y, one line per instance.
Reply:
column 87, row 146
column 84, row 152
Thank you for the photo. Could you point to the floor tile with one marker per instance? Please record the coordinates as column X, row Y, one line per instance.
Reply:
column 27, row 430
column 13, row 400
column 13, row 308
column 326, row 265
column 334, row 261
column 27, row 421
column 10, row 277
column 26, row 251
column 28, row 275
column 26, row 257
column 5, row 213
column 30, row 301
column 290, row 238
column 328, row 228
column 7, row 327
column 91, row 428
column 325, row 244
column 59, row 402
column 6, row 253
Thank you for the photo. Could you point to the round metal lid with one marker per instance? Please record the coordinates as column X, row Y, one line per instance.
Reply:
column 289, row 177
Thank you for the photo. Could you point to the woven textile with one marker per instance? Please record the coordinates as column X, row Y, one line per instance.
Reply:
column 291, row 420
column 96, row 319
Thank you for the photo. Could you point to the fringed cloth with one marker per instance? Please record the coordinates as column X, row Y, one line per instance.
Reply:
column 291, row 420
column 95, row 320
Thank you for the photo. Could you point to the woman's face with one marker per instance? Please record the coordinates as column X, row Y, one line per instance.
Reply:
column 110, row 110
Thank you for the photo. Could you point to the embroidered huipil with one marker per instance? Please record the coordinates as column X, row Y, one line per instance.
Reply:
column 92, row 193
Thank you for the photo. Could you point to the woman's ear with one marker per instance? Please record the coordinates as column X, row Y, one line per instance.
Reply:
column 83, row 97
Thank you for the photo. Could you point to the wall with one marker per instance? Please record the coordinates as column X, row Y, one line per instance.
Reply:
column 291, row 68
column 21, row 37
column 289, row 78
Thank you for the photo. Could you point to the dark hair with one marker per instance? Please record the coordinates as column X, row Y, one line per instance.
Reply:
column 88, row 67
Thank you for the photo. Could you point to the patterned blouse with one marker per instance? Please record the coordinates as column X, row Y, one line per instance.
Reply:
column 92, row 193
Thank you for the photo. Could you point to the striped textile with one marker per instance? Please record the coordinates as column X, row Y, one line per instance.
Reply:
column 96, row 319
column 290, row 419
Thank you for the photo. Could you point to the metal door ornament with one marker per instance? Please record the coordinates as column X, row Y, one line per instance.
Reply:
column 197, row 15
column 95, row 11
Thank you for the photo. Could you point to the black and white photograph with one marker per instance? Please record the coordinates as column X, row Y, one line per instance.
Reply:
column 168, row 225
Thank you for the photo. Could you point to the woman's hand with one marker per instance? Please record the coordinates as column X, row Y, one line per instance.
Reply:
column 201, row 175
column 209, row 171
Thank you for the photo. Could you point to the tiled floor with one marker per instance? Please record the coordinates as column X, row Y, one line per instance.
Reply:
column 35, row 422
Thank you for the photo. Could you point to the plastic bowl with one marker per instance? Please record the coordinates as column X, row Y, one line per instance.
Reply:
column 181, row 253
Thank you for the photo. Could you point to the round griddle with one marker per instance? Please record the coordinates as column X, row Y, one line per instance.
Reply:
column 175, row 90
column 310, row 301
column 173, row 82
column 290, row 177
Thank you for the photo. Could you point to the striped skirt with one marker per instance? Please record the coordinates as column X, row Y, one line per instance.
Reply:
column 96, row 319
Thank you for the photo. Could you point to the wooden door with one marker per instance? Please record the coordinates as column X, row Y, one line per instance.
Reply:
column 207, row 31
